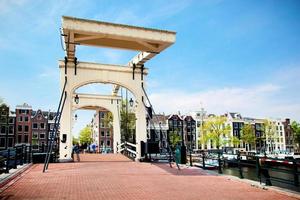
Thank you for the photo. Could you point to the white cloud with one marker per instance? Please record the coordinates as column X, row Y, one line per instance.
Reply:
column 258, row 101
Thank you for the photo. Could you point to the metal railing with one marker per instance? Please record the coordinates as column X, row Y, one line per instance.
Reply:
column 12, row 157
column 267, row 169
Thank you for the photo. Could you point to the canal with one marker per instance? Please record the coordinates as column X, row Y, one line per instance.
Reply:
column 250, row 173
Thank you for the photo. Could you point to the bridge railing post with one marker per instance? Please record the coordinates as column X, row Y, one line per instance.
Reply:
column 296, row 177
column 203, row 159
column 7, row 161
column 239, row 164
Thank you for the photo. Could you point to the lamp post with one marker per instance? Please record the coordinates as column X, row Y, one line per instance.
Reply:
column 76, row 99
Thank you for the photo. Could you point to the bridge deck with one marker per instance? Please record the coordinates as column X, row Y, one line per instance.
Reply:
column 116, row 177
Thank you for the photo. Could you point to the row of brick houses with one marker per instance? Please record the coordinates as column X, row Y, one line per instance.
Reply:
column 25, row 126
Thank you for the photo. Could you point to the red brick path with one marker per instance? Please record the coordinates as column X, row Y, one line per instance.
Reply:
column 116, row 177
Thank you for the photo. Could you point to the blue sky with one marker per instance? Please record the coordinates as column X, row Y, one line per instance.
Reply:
column 241, row 56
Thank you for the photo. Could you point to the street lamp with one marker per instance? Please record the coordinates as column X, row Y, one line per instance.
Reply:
column 76, row 117
column 131, row 102
column 76, row 99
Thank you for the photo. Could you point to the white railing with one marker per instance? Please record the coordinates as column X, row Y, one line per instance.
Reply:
column 126, row 147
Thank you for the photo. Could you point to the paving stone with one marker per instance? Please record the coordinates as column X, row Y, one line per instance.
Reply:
column 113, row 176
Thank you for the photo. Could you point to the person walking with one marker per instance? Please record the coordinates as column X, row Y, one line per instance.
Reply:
column 77, row 151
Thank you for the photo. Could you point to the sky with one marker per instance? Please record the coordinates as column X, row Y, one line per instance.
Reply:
column 229, row 56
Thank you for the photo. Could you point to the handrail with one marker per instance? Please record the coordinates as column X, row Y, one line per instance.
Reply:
column 55, row 127
column 171, row 153
column 130, row 144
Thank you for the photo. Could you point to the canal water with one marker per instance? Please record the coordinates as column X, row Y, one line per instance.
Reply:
column 250, row 173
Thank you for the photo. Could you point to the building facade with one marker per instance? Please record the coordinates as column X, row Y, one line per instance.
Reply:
column 105, row 131
column 289, row 136
column 23, row 124
column 39, row 123
column 7, row 127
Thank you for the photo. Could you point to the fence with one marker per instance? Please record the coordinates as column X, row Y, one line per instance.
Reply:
column 268, row 169
column 12, row 157
column 128, row 149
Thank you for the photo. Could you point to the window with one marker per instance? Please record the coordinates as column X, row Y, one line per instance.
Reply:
column 42, row 126
column 235, row 125
column 10, row 142
column 20, row 119
column 3, row 129
column 19, row 138
column 102, row 115
column 2, row 142
column 42, row 135
column 101, row 124
column 11, row 120
column 11, row 129
column 34, row 126
column 26, row 128
column 26, row 119
column 20, row 128
column 3, row 112
column 3, row 120
column 101, row 142
column 108, row 142
column 108, row 134
column 35, row 135
column 26, row 139
column 102, row 133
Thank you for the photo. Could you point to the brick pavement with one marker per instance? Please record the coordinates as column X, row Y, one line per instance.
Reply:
column 116, row 177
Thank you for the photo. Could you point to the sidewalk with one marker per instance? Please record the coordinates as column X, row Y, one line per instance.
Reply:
column 112, row 176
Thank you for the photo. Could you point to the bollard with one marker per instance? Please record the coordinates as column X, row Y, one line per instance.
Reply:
column 191, row 162
column 239, row 165
column 24, row 153
column 258, row 171
column 219, row 162
column 203, row 160
column 30, row 154
column 21, row 155
column 296, row 178
column 16, row 158
column 7, row 161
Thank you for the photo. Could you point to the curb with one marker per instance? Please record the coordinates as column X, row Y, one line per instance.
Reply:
column 14, row 177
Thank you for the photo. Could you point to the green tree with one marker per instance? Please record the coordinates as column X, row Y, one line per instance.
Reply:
column 75, row 140
column 269, row 129
column 85, row 135
column 216, row 130
column 235, row 141
column 174, row 139
column 296, row 131
column 128, row 120
column 248, row 134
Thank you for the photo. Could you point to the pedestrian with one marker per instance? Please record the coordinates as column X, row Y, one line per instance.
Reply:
column 77, row 151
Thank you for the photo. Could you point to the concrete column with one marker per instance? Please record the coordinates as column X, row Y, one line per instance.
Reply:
column 65, row 148
column 141, row 128
column 116, row 125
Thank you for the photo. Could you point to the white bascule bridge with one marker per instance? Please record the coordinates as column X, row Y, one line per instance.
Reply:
column 74, row 74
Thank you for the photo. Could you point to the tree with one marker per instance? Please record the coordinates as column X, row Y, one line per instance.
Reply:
column 174, row 139
column 296, row 131
column 85, row 135
column 75, row 140
column 214, row 129
column 235, row 141
column 127, row 122
column 248, row 134
column 269, row 130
